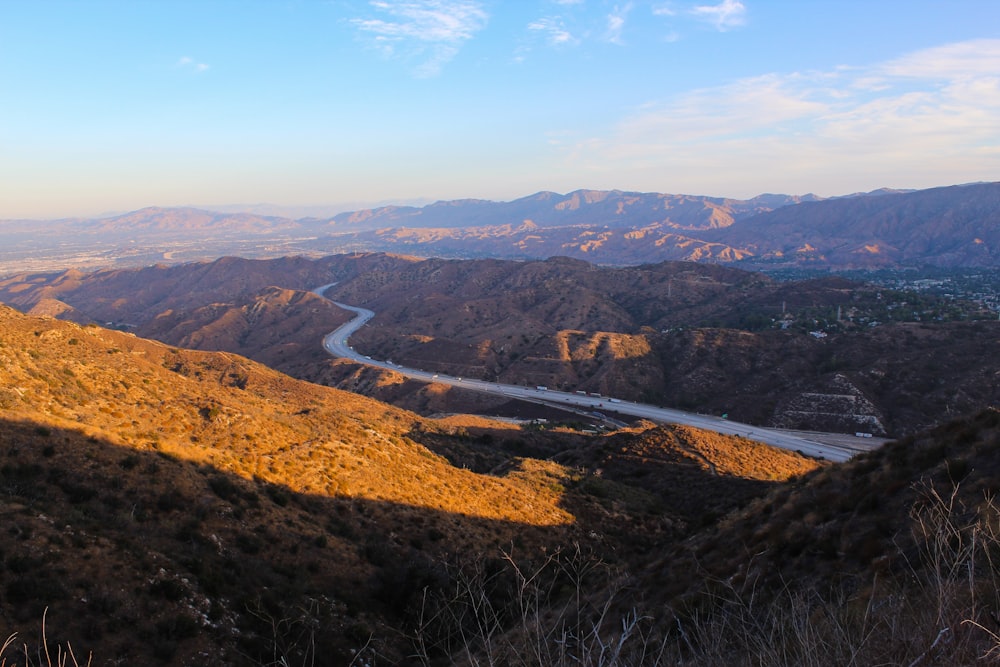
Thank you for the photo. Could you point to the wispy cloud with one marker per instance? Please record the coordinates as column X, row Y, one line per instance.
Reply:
column 554, row 31
column 972, row 58
column 571, row 27
column 616, row 23
column 190, row 63
column 923, row 115
column 428, row 31
column 724, row 16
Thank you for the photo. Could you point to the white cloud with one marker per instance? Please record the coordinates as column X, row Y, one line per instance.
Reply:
column 725, row 15
column 189, row 63
column 616, row 23
column 976, row 57
column 430, row 31
column 555, row 32
column 741, row 107
column 933, row 118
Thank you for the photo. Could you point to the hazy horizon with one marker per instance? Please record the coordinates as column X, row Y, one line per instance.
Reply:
column 297, row 211
column 114, row 106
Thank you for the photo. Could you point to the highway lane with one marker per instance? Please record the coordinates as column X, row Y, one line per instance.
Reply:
column 336, row 344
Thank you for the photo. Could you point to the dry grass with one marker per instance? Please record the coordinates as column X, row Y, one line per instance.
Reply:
column 569, row 608
column 44, row 658
column 508, row 611
column 190, row 498
column 166, row 493
column 160, row 489
column 939, row 610
column 222, row 410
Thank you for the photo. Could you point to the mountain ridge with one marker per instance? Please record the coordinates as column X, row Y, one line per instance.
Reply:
column 951, row 226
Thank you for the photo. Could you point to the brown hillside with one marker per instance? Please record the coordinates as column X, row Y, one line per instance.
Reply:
column 136, row 296
column 178, row 507
column 697, row 475
column 702, row 338
column 899, row 543
column 887, row 560
column 677, row 335
column 152, row 397
column 276, row 327
column 156, row 496
column 842, row 520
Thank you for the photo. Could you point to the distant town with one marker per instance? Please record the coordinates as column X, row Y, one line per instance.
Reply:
column 920, row 294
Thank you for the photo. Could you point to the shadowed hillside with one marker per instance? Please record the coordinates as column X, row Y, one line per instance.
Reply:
column 178, row 507
column 888, row 559
column 135, row 296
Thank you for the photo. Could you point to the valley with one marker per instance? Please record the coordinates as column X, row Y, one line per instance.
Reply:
column 200, row 495
column 591, row 405
column 431, row 460
column 170, row 506
column 824, row 354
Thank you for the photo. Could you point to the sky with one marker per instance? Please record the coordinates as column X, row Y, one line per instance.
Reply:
column 110, row 106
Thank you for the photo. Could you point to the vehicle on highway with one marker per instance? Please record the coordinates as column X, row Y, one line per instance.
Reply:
column 336, row 343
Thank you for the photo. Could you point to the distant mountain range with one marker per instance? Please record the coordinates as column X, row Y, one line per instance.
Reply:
column 954, row 226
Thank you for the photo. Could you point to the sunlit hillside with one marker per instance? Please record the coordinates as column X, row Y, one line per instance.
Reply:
column 166, row 504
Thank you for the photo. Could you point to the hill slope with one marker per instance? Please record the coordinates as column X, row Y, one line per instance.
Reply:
column 887, row 559
column 701, row 337
column 178, row 507
column 946, row 227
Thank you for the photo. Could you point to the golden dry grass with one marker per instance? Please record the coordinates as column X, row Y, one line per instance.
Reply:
column 225, row 411
column 184, row 494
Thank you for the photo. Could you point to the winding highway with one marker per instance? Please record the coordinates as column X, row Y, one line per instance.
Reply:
column 336, row 344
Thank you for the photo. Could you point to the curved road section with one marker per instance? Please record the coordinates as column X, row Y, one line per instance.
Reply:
column 336, row 344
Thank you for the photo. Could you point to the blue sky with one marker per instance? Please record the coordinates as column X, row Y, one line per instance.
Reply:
column 115, row 105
